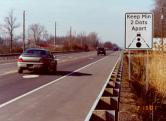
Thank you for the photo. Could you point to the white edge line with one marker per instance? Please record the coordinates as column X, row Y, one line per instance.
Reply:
column 43, row 86
column 101, row 92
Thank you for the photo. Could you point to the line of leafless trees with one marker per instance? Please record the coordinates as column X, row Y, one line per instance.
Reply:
column 37, row 36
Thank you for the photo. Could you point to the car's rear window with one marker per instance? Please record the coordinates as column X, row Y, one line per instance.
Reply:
column 35, row 52
column 100, row 48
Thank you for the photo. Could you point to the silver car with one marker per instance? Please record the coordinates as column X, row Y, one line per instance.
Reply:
column 34, row 58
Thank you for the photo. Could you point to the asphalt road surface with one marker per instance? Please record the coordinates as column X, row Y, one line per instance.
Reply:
column 65, row 96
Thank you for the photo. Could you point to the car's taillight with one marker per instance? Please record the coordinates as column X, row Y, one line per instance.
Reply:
column 20, row 60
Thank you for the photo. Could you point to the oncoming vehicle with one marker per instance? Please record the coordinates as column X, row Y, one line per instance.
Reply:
column 34, row 58
column 101, row 50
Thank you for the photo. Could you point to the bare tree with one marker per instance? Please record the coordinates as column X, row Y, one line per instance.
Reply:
column 93, row 39
column 45, row 35
column 10, row 26
column 108, row 45
column 36, row 32
column 160, row 9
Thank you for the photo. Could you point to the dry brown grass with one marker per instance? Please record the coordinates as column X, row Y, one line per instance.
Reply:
column 156, row 93
column 156, row 68
column 157, row 72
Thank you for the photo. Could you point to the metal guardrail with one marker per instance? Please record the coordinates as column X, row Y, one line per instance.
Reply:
column 9, row 55
column 7, row 58
column 108, row 105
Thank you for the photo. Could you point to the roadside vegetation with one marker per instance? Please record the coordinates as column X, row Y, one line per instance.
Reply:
column 37, row 36
column 150, row 101
column 157, row 73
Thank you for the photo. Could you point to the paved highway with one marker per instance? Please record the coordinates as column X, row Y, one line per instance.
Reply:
column 10, row 66
column 65, row 96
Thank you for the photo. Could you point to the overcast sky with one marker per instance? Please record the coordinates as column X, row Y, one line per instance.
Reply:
column 105, row 17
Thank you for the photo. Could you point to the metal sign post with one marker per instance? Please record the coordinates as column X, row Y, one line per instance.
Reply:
column 129, row 68
column 147, row 59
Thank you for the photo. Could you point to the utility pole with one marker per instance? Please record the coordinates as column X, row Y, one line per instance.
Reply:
column 55, row 36
column 162, row 20
column 70, row 37
column 24, row 30
column 81, row 41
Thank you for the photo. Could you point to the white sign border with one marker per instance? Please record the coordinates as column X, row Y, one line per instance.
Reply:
column 152, row 30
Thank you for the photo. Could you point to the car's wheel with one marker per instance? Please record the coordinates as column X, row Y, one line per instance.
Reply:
column 20, row 70
column 46, row 70
column 54, row 69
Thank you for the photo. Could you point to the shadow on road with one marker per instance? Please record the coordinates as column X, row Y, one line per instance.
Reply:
column 58, row 73
column 63, row 73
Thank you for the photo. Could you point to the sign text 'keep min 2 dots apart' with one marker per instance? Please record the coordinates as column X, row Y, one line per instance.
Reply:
column 138, row 30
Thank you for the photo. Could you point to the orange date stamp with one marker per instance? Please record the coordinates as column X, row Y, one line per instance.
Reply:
column 147, row 107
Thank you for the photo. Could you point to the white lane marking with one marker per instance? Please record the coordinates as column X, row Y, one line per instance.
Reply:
column 43, row 86
column 75, row 58
column 101, row 92
column 7, row 63
column 30, row 76
column 9, row 72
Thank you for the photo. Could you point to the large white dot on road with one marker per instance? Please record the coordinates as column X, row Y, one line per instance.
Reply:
column 30, row 76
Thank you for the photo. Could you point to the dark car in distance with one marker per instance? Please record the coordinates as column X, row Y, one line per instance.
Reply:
column 101, row 50
column 35, row 58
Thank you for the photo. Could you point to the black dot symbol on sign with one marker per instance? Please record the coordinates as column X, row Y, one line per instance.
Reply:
column 138, row 44
column 138, row 35
column 138, row 39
